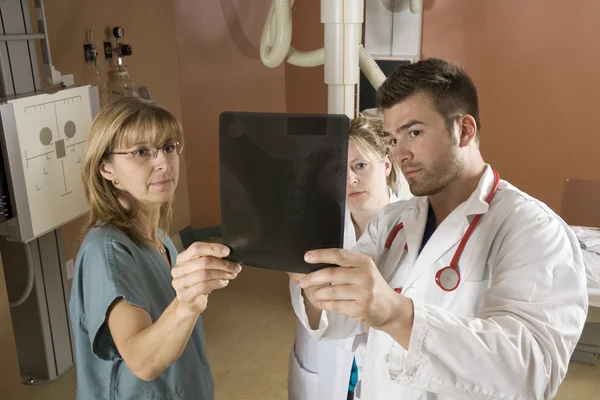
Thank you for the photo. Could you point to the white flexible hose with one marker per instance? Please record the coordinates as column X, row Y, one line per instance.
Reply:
column 275, row 43
column 370, row 68
column 29, row 285
column 416, row 6
column 275, row 46
column 306, row 59
column 276, row 38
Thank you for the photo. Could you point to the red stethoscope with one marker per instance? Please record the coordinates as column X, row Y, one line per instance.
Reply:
column 447, row 278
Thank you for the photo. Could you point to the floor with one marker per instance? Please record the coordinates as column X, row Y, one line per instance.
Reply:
column 249, row 330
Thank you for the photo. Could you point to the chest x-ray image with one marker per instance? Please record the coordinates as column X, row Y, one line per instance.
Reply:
column 282, row 186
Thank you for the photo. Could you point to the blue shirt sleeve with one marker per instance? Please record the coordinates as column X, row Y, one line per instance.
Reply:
column 108, row 272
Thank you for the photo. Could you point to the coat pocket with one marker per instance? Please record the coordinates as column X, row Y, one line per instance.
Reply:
column 466, row 300
column 302, row 383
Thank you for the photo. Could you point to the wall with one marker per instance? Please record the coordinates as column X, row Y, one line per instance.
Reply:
column 151, row 32
column 537, row 75
column 154, row 63
column 220, row 70
column 305, row 89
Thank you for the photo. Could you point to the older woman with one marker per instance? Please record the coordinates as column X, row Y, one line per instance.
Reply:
column 136, row 304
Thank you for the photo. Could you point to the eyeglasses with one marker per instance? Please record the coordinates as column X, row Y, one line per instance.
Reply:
column 146, row 153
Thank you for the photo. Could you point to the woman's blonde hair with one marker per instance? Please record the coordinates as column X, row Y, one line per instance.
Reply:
column 122, row 124
column 371, row 140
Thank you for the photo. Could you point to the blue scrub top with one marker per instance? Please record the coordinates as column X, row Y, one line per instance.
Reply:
column 110, row 265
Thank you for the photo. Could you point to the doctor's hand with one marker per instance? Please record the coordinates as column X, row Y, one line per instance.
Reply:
column 199, row 270
column 314, row 312
column 355, row 289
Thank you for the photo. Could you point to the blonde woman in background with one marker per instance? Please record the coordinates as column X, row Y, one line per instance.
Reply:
column 136, row 304
column 327, row 370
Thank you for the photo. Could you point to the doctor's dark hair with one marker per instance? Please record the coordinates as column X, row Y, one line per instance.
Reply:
column 370, row 139
column 120, row 125
column 452, row 91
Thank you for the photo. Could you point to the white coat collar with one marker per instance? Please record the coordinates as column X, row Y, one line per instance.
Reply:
column 393, row 197
column 349, row 232
column 474, row 205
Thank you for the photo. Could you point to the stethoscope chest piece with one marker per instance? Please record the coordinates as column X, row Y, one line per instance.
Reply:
column 448, row 278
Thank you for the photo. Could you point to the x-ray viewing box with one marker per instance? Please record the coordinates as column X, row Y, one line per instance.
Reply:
column 44, row 138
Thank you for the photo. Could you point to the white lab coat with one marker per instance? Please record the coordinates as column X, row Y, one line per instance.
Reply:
column 320, row 370
column 507, row 331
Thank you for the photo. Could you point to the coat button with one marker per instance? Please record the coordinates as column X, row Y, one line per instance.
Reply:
column 387, row 358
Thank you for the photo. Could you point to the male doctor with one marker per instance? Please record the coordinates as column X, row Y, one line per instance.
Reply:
column 470, row 290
